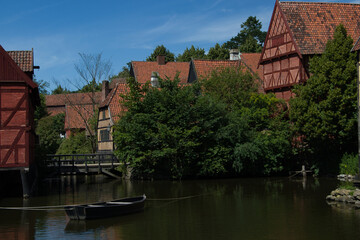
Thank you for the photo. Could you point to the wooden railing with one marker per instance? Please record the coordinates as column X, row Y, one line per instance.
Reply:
column 86, row 163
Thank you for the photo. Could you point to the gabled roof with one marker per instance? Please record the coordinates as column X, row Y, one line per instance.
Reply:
column 72, row 98
column 10, row 71
column 250, row 60
column 24, row 59
column 113, row 100
column 114, row 104
column 204, row 67
column 142, row 70
column 77, row 115
column 313, row 24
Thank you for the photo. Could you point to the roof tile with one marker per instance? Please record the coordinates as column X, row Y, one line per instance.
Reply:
column 143, row 70
column 24, row 59
column 313, row 23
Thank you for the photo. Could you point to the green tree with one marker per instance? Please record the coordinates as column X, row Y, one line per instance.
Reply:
column 161, row 50
column 49, row 131
column 256, row 139
column 77, row 143
column 192, row 53
column 218, row 53
column 170, row 132
column 40, row 110
column 60, row 90
column 125, row 73
column 250, row 38
column 324, row 112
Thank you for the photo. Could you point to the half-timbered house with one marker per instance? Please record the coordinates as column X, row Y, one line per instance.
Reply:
column 298, row 31
column 110, row 111
column 19, row 96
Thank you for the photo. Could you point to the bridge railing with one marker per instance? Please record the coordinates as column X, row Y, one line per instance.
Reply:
column 81, row 162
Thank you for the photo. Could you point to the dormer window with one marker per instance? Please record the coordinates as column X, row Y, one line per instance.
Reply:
column 155, row 79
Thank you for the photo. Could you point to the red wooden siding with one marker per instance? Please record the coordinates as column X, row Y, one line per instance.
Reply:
column 283, row 65
column 17, row 97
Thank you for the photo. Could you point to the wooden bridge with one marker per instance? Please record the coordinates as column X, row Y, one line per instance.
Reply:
column 83, row 163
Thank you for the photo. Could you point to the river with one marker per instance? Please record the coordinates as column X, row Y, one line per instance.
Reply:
column 259, row 208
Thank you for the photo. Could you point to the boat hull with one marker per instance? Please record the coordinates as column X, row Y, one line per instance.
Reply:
column 106, row 209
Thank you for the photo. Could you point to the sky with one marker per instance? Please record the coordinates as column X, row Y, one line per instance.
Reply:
column 122, row 31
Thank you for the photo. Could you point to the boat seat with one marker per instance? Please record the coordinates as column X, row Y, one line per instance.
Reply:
column 120, row 203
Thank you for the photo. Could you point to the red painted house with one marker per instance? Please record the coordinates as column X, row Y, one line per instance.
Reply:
column 298, row 31
column 19, row 96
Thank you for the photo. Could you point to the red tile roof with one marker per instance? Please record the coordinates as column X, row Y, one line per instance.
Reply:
column 251, row 61
column 116, row 107
column 143, row 70
column 77, row 116
column 13, row 71
column 72, row 98
column 24, row 59
column 313, row 24
column 204, row 67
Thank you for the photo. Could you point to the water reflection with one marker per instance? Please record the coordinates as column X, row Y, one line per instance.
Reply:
column 216, row 209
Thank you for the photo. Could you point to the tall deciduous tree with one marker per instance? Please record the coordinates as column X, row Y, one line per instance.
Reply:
column 92, row 69
column 324, row 110
column 192, row 53
column 161, row 50
column 250, row 38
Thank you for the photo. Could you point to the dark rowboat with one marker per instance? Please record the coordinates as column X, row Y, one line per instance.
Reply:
column 106, row 209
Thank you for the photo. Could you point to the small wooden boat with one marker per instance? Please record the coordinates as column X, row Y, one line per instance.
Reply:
column 106, row 209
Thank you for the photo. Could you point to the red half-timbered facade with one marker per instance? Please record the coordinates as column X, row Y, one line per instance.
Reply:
column 298, row 31
column 18, row 98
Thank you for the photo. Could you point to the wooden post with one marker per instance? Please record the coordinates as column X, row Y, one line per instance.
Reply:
column 25, row 183
column 86, row 166
column 303, row 171
column 99, row 169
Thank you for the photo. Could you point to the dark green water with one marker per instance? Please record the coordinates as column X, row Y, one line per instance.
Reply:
column 219, row 209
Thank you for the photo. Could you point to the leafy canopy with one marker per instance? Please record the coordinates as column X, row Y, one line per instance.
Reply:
column 161, row 50
column 192, row 53
column 324, row 111
column 218, row 53
column 250, row 38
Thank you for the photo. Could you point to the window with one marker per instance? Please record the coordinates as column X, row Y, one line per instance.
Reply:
column 104, row 135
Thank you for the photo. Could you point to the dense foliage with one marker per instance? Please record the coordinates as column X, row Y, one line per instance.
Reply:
column 218, row 53
column 349, row 164
column 161, row 50
column 250, row 38
column 257, row 137
column 324, row 111
column 49, row 130
column 183, row 131
column 77, row 143
column 191, row 53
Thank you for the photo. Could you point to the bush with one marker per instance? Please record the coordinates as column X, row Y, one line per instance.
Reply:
column 349, row 164
column 76, row 144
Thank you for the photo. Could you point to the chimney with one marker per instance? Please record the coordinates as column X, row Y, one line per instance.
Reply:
column 104, row 90
column 234, row 54
column 160, row 59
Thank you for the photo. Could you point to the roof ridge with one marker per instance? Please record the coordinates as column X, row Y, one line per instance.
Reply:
column 336, row 3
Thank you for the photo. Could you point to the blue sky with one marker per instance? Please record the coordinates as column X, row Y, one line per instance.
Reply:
column 122, row 31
